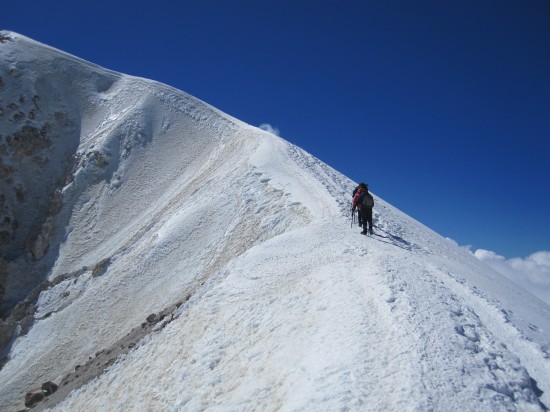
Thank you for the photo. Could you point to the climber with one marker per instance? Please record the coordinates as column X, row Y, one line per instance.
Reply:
column 364, row 201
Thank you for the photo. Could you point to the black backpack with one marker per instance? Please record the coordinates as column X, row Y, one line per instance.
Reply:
column 366, row 199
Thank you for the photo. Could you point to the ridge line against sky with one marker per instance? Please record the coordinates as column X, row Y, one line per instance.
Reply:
column 444, row 109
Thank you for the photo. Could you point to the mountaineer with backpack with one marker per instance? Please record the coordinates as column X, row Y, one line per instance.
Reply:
column 364, row 201
column 354, row 207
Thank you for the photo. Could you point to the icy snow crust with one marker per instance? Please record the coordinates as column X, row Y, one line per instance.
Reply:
column 284, row 306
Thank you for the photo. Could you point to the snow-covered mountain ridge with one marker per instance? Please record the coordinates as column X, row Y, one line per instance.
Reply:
column 132, row 198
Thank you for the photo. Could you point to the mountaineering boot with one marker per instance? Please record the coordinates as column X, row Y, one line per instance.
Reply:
column 364, row 232
column 370, row 231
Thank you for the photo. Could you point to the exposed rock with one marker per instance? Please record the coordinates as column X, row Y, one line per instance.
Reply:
column 101, row 267
column 6, row 170
column 7, row 329
column 97, row 158
column 152, row 318
column 33, row 397
column 3, row 275
column 42, row 241
column 30, row 140
column 104, row 358
column 56, row 202
column 49, row 387
column 37, row 395
column 4, row 38
column 168, row 311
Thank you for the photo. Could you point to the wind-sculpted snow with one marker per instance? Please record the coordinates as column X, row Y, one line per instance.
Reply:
column 198, row 263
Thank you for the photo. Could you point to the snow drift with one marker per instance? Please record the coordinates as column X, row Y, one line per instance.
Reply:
column 158, row 254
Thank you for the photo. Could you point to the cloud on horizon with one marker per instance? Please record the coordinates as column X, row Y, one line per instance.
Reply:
column 271, row 129
column 531, row 273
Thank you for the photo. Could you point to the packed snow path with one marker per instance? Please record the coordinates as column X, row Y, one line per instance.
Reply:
column 330, row 331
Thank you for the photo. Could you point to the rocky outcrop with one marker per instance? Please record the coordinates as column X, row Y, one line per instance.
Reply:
column 39, row 136
column 103, row 359
column 36, row 395
column 20, row 319
column 33, row 397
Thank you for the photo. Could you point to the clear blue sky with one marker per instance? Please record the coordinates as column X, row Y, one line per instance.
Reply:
column 442, row 107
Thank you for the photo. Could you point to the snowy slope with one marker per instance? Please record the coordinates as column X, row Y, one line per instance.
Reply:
column 244, row 242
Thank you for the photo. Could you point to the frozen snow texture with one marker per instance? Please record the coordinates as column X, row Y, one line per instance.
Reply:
column 280, row 305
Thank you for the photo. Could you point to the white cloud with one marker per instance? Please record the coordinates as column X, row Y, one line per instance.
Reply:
column 268, row 128
column 531, row 273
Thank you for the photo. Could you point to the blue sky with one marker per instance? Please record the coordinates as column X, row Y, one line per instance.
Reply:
column 442, row 107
